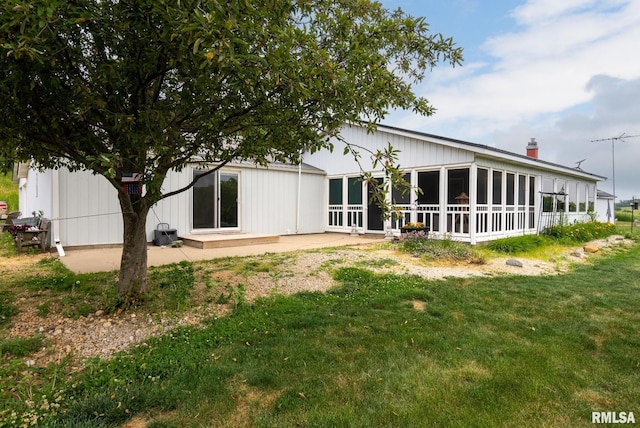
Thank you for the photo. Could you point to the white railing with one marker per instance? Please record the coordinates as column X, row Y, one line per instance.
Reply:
column 429, row 215
column 355, row 216
column 532, row 218
column 335, row 216
column 493, row 220
column 401, row 215
column 509, row 218
column 458, row 218
column 522, row 218
column 482, row 218
column 496, row 218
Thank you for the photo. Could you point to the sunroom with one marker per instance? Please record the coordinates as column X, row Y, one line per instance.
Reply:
column 494, row 194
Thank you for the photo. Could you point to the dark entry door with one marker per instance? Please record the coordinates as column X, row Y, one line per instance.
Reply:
column 374, row 212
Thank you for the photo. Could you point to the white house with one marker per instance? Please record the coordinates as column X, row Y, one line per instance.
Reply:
column 470, row 192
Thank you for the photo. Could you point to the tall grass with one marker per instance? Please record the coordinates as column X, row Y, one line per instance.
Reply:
column 385, row 350
column 580, row 232
column 8, row 192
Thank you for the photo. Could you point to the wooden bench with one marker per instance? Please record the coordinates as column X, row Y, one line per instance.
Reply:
column 34, row 236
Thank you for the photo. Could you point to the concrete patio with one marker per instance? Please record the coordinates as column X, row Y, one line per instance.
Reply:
column 107, row 259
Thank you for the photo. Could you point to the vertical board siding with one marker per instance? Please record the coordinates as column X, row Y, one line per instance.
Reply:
column 35, row 195
column 269, row 201
column 89, row 210
column 174, row 210
column 413, row 153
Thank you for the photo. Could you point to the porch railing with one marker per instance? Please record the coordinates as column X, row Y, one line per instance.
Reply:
column 458, row 218
column 490, row 219
column 482, row 218
column 429, row 215
column 335, row 216
column 401, row 216
column 355, row 216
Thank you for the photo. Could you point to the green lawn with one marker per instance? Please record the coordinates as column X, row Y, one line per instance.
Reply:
column 8, row 192
column 388, row 351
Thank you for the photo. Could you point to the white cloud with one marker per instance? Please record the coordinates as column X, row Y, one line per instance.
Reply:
column 570, row 137
column 543, row 68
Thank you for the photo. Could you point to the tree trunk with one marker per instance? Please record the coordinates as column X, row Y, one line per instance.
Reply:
column 132, row 281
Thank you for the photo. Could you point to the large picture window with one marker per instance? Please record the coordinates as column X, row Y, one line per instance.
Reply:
column 429, row 183
column 458, row 185
column 497, row 188
column 483, row 186
column 511, row 189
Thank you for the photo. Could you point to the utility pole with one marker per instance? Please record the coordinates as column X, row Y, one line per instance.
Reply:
column 613, row 140
column 634, row 206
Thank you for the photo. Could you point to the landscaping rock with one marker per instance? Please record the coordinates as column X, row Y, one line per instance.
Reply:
column 514, row 262
column 576, row 254
column 591, row 248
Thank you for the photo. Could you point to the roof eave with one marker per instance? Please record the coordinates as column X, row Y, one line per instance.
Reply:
column 491, row 152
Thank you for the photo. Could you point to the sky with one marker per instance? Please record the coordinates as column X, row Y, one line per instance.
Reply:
column 565, row 72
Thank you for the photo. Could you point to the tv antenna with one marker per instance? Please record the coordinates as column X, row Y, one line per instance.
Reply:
column 580, row 163
column 613, row 140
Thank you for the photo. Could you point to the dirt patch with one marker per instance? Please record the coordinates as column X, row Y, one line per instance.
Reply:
column 418, row 305
column 247, row 399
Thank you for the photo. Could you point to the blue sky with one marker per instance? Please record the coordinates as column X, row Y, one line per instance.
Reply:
column 565, row 72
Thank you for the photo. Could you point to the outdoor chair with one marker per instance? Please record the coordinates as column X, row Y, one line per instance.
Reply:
column 9, row 220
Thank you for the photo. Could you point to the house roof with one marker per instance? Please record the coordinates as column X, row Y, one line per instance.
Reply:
column 601, row 194
column 494, row 152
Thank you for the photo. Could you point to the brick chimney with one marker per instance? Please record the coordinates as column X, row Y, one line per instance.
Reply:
column 532, row 149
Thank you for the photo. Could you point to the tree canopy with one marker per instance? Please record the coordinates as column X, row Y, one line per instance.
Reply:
column 143, row 86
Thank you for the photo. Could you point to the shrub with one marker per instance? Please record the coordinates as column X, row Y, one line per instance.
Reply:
column 419, row 244
column 518, row 244
column 580, row 232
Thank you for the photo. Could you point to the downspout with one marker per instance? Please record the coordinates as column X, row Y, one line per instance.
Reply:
column 299, row 190
column 55, row 208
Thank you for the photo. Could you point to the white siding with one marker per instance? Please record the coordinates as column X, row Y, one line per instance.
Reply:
column 413, row 153
column 174, row 210
column 604, row 205
column 35, row 193
column 89, row 210
column 269, row 201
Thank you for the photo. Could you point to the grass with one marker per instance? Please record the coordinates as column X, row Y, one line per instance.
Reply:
column 9, row 192
column 385, row 350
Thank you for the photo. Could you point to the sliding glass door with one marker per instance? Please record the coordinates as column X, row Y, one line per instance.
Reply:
column 228, row 199
column 215, row 200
